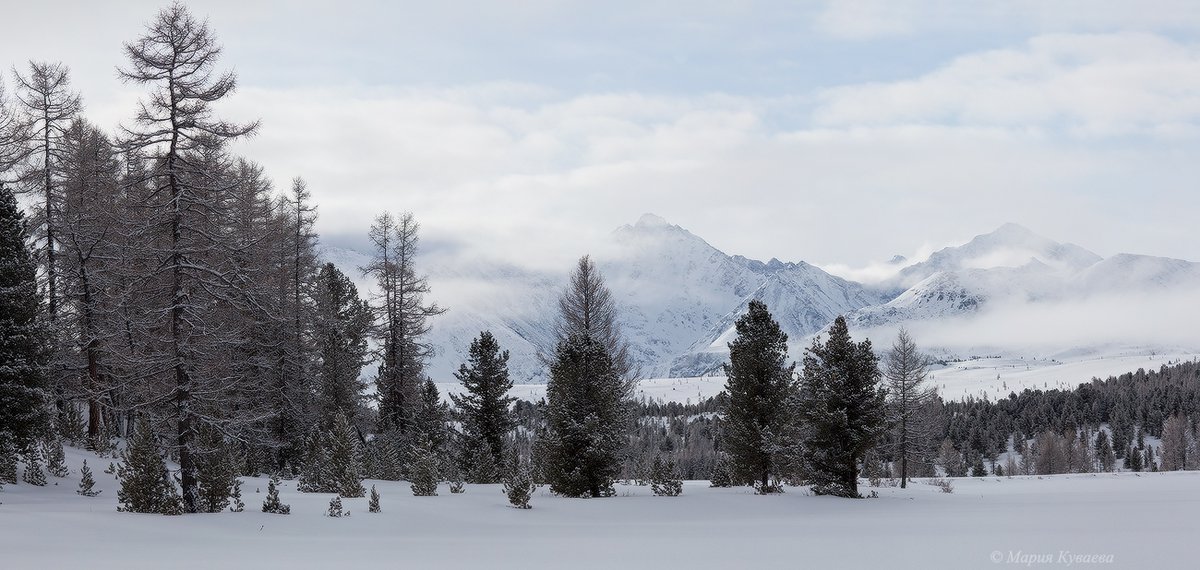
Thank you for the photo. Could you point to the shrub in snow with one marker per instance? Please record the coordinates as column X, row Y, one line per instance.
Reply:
column 33, row 469
column 111, row 469
column 86, row 482
column 272, row 504
column 335, row 508
column 720, row 476
column 519, row 485
column 946, row 485
column 424, row 473
column 56, row 461
column 772, row 487
column 373, row 504
column 662, row 479
column 457, row 487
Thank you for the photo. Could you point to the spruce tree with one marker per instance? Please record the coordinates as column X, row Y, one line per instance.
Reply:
column 760, row 385
column 86, row 482
column 424, row 473
column 1133, row 459
column 588, row 413
column 842, row 409
column 56, row 461
column 519, row 484
column 345, row 460
column 235, row 497
column 343, row 323
column 484, row 410
column 24, row 396
column 316, row 475
column 272, row 504
column 663, row 481
column 8, row 461
column 720, row 475
column 146, row 486
column 335, row 508
column 373, row 503
column 429, row 429
column 216, row 472
column 33, row 469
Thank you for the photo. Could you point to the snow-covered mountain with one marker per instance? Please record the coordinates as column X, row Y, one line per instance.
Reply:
column 679, row 296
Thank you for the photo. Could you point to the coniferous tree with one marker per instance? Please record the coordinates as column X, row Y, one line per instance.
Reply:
column 345, row 463
column 586, row 307
column 424, row 473
column 146, row 486
column 316, row 475
column 56, row 460
column 343, row 322
column 235, row 498
column 272, row 504
column 373, row 503
column 86, row 482
column 908, row 398
column 216, row 472
column 519, row 484
column 760, row 385
column 24, row 396
column 721, row 475
column 429, row 429
column 842, row 408
column 1133, row 459
column 588, row 412
column 1104, row 452
column 663, row 480
column 33, row 468
column 484, row 410
column 335, row 508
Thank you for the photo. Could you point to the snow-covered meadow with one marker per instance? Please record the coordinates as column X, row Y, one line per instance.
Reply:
column 1147, row 520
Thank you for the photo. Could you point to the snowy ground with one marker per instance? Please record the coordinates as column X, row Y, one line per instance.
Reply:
column 1146, row 521
column 991, row 377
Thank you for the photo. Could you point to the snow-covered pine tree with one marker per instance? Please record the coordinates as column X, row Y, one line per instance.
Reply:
column 720, row 475
column 145, row 484
column 272, row 503
column 518, row 484
column 216, row 472
column 663, row 480
column 842, row 409
column 8, row 460
column 235, row 498
column 907, row 401
column 588, row 413
column 316, row 475
column 586, row 307
column 33, row 468
column 345, row 459
column 335, row 508
column 761, row 385
column 373, row 503
column 424, row 473
column 484, row 409
column 429, row 429
column 24, row 394
column 56, row 460
column 86, row 482
column 385, row 461
column 342, row 325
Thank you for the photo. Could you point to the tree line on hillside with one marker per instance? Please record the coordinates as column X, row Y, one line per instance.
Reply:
column 162, row 293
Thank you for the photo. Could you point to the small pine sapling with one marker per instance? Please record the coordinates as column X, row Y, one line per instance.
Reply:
column 373, row 504
column 33, row 469
column 272, row 503
column 519, row 486
column 457, row 485
column 111, row 469
column 335, row 508
column 662, row 479
column 235, row 497
column 425, row 474
column 720, row 476
column 56, row 461
column 86, row 482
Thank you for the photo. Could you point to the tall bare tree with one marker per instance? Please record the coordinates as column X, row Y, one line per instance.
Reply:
column 587, row 307
column 908, row 397
column 176, row 130
column 401, row 305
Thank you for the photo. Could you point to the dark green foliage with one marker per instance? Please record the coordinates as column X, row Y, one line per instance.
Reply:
column 335, row 508
column 86, row 482
column 333, row 461
column 842, row 409
column 24, row 396
column 429, row 428
column 272, row 503
column 760, row 384
column 587, row 418
column 373, row 504
column 235, row 497
column 1104, row 452
column 383, row 457
column 146, row 486
column 56, row 461
column 721, row 476
column 1133, row 459
column 424, row 473
column 33, row 469
column 8, row 461
column 663, row 480
column 519, row 485
column 343, row 322
column 216, row 472
column 484, row 410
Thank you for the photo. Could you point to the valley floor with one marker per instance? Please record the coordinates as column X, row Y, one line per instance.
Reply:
column 1127, row 520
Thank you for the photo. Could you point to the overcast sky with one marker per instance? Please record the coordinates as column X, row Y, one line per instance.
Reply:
column 835, row 133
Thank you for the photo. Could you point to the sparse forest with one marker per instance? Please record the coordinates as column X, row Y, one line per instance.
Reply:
column 159, row 293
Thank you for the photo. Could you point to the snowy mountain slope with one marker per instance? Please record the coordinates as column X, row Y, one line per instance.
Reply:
column 679, row 296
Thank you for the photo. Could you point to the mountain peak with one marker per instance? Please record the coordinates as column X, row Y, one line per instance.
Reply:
column 649, row 220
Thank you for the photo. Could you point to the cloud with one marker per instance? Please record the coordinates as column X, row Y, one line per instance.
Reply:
column 1111, row 84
